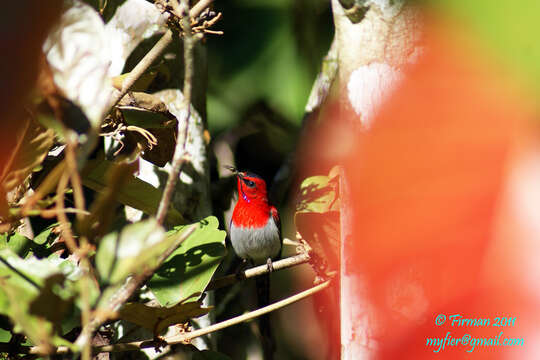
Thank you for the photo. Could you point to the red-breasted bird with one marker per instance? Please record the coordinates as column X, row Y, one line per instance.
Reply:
column 255, row 233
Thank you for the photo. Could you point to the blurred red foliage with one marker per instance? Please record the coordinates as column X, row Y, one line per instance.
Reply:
column 432, row 229
column 24, row 26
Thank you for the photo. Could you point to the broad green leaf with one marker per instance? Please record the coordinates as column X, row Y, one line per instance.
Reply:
column 5, row 336
column 43, row 236
column 17, row 243
column 157, row 319
column 31, row 145
column 36, row 296
column 188, row 270
column 130, row 251
column 135, row 193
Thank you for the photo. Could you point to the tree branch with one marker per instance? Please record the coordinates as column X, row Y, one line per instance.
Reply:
column 258, row 270
column 180, row 149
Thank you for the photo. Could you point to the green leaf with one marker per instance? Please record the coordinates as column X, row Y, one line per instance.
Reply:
column 130, row 251
column 188, row 270
column 135, row 193
column 157, row 319
column 17, row 243
column 36, row 296
column 5, row 336
column 43, row 236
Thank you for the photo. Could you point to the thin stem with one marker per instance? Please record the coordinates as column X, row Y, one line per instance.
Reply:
column 75, row 178
column 82, row 251
column 65, row 226
column 258, row 270
column 179, row 157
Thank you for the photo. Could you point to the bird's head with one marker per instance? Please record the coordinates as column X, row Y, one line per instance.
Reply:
column 251, row 187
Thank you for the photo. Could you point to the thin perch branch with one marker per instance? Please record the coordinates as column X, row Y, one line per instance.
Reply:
column 258, row 270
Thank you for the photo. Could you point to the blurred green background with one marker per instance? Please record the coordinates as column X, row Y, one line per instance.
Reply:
column 270, row 52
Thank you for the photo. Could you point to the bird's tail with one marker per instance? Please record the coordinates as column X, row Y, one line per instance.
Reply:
column 263, row 299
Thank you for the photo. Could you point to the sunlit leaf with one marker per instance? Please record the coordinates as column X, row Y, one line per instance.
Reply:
column 135, row 193
column 17, row 243
column 187, row 272
column 43, row 236
column 122, row 254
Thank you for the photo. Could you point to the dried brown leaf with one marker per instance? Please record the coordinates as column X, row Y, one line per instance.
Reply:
column 32, row 143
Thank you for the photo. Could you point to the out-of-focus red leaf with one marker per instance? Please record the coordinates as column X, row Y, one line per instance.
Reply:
column 426, row 183
column 24, row 26
column 431, row 234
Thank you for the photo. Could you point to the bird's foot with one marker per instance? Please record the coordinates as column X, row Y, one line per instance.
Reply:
column 269, row 265
column 159, row 343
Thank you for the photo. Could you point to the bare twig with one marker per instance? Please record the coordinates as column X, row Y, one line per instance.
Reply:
column 199, row 7
column 258, row 270
column 65, row 226
column 180, row 149
column 82, row 250
column 75, row 178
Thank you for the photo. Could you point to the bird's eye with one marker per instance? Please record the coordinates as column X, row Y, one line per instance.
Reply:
column 249, row 183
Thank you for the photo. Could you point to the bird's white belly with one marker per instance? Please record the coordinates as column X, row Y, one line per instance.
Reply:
column 256, row 244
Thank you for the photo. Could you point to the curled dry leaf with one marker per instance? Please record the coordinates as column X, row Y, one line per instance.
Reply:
column 159, row 318
column 32, row 143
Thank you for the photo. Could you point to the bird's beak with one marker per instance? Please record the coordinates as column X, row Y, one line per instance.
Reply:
column 234, row 170
column 231, row 169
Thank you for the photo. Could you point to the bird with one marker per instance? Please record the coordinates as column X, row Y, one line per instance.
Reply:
column 255, row 233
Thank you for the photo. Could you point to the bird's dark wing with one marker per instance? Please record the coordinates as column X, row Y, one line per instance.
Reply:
column 275, row 215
